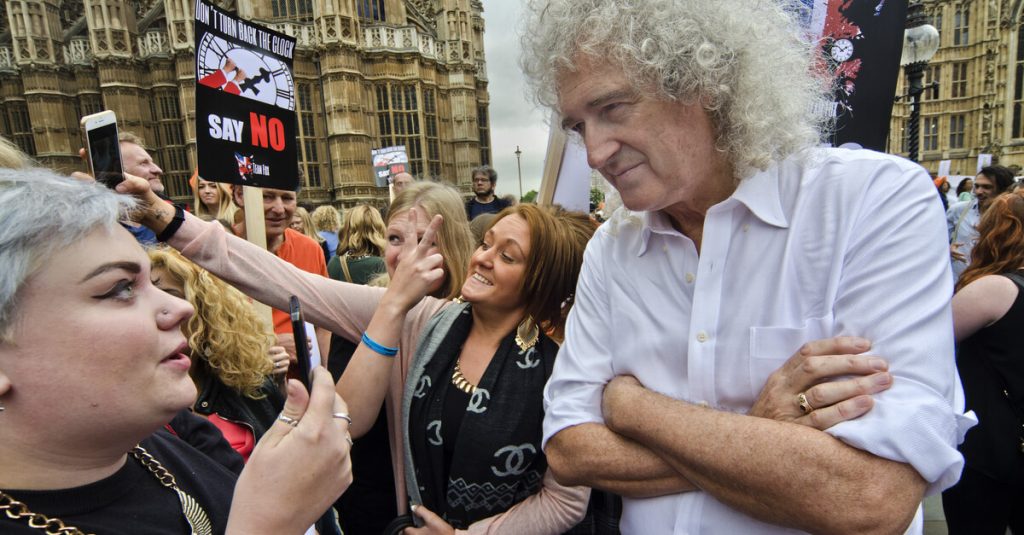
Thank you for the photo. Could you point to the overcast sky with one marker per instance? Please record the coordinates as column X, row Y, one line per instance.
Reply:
column 514, row 120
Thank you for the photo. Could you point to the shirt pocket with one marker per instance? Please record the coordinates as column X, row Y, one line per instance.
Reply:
column 770, row 347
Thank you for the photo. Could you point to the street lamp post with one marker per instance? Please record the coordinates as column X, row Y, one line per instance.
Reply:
column 920, row 42
column 519, row 167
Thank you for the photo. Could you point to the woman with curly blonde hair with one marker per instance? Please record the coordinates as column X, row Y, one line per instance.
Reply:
column 232, row 355
column 327, row 221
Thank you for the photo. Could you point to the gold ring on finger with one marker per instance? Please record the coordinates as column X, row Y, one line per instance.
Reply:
column 801, row 400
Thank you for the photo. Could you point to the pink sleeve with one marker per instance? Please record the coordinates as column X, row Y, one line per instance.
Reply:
column 552, row 510
column 337, row 306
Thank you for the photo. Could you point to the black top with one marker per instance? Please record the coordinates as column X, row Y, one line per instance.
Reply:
column 256, row 414
column 455, row 403
column 475, row 208
column 990, row 362
column 369, row 504
column 205, row 437
column 132, row 500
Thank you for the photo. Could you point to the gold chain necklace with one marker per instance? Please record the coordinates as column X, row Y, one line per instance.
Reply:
column 194, row 513
column 460, row 380
column 526, row 337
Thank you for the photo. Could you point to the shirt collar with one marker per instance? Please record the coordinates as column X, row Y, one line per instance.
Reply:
column 653, row 223
column 759, row 193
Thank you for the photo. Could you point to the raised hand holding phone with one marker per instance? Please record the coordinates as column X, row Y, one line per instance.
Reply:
column 102, row 147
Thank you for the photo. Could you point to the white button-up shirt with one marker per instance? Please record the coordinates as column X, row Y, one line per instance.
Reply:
column 839, row 243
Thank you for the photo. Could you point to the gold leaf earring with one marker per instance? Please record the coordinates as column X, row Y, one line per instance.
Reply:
column 527, row 334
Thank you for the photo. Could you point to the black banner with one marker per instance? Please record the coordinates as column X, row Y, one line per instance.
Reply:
column 861, row 44
column 245, row 102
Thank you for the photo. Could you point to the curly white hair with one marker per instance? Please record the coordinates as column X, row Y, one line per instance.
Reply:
column 747, row 61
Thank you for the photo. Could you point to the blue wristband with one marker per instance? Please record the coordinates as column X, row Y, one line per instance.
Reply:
column 377, row 348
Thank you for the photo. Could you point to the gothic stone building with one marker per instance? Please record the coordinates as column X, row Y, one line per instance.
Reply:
column 978, row 105
column 368, row 74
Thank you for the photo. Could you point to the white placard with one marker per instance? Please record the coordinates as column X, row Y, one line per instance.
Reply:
column 944, row 167
column 955, row 180
column 572, row 190
column 984, row 160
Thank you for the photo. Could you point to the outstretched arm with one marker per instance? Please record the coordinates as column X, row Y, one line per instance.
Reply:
column 340, row 307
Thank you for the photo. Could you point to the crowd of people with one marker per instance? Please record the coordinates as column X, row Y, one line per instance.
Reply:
column 495, row 367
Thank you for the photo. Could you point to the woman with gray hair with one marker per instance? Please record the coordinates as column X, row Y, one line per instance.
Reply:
column 92, row 367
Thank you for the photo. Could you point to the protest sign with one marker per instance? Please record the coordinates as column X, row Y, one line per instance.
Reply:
column 388, row 162
column 245, row 101
column 984, row 160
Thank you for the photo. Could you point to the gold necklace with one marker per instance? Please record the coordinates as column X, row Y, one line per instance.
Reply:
column 194, row 513
column 460, row 380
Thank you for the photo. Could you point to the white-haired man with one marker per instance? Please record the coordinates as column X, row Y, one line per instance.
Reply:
column 740, row 243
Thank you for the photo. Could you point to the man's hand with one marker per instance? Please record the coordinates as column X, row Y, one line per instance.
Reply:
column 614, row 462
column 811, row 371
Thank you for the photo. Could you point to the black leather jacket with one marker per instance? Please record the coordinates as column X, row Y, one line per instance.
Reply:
column 256, row 414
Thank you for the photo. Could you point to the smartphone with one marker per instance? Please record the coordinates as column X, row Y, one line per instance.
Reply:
column 303, row 370
column 102, row 147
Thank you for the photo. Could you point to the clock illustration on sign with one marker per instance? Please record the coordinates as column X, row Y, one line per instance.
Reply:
column 841, row 50
column 249, row 74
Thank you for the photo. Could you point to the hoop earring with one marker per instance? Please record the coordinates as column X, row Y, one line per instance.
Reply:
column 527, row 334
